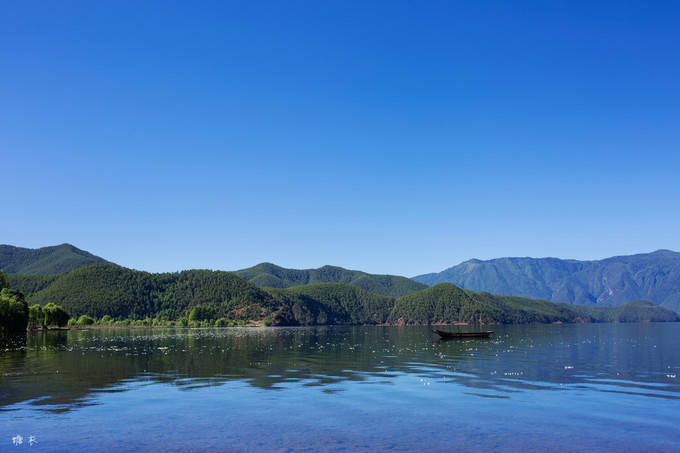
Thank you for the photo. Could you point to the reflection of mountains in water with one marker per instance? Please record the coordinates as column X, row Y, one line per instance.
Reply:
column 62, row 370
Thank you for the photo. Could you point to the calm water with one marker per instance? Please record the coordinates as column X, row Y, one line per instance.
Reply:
column 606, row 387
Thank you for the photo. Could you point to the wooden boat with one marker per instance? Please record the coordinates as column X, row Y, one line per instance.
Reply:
column 481, row 334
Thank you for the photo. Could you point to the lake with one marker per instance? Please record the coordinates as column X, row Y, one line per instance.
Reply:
column 590, row 387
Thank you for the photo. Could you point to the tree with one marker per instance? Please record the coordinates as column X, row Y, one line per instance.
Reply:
column 3, row 281
column 202, row 313
column 85, row 320
column 13, row 311
column 55, row 315
column 36, row 316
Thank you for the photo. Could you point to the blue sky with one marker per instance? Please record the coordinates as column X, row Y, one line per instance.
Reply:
column 392, row 137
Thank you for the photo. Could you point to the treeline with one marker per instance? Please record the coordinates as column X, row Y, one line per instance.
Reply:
column 191, row 320
column 106, row 294
column 16, row 315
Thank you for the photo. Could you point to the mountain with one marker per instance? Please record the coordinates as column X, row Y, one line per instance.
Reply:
column 107, row 289
column 613, row 281
column 272, row 276
column 46, row 260
column 445, row 302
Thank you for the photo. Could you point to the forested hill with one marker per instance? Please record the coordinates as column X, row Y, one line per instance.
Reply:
column 444, row 302
column 211, row 297
column 272, row 276
column 652, row 276
column 45, row 260
column 107, row 289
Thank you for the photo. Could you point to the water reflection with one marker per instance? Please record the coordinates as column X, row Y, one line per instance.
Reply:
column 60, row 371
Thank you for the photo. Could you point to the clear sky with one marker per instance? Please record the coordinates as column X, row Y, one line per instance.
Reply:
column 392, row 137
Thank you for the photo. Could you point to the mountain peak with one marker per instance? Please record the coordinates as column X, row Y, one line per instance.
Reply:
column 45, row 260
column 664, row 252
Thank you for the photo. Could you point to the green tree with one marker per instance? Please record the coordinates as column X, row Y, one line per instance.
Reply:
column 85, row 320
column 13, row 311
column 55, row 315
column 36, row 316
column 202, row 313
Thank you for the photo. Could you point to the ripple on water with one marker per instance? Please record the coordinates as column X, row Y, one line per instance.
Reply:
column 394, row 379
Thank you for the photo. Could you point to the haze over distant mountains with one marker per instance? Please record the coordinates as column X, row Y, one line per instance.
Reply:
column 613, row 281
column 45, row 260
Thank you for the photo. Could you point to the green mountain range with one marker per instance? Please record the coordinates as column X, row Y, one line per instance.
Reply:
column 46, row 260
column 613, row 281
column 107, row 289
column 272, row 276
column 85, row 284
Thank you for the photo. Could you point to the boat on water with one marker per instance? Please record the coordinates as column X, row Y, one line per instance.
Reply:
column 481, row 334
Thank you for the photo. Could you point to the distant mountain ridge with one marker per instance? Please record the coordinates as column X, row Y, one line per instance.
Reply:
column 45, row 260
column 612, row 281
column 273, row 276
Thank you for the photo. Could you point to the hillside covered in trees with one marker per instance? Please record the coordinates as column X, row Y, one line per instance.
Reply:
column 329, row 303
column 272, row 276
column 445, row 302
column 205, row 296
column 107, row 289
column 45, row 260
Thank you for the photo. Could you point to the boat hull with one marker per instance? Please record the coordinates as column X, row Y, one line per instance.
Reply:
column 444, row 334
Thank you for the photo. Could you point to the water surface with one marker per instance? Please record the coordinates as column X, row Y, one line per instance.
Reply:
column 594, row 387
